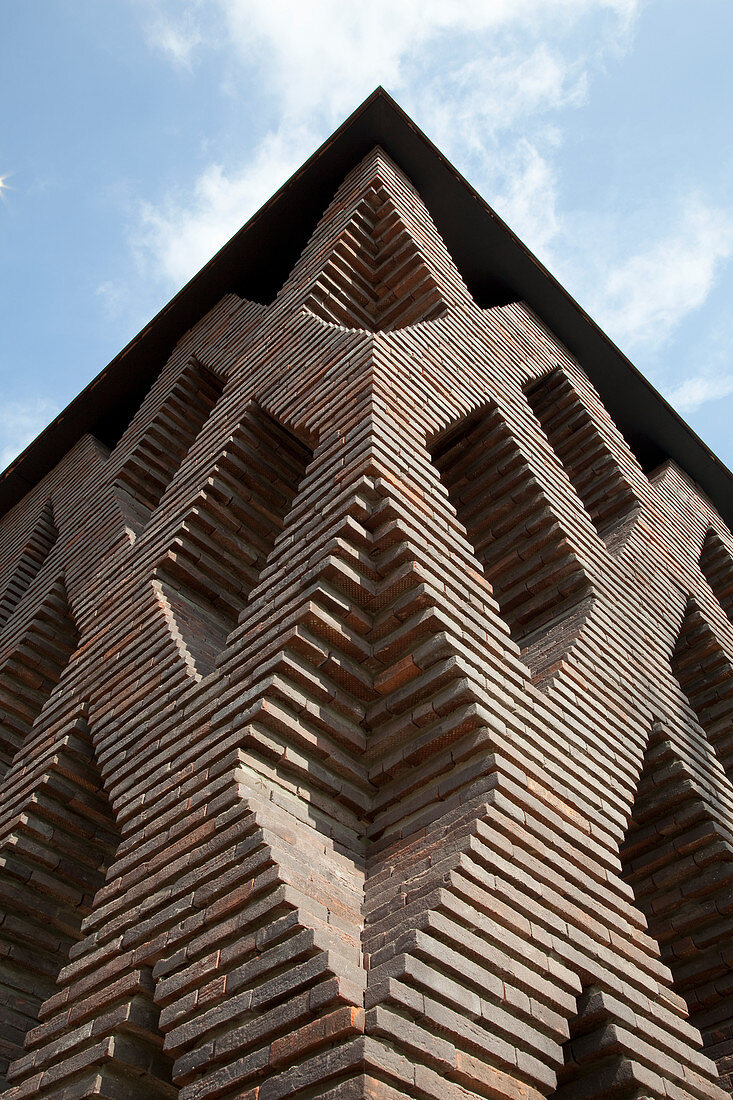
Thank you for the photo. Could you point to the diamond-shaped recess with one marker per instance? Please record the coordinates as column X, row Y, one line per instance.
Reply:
column 216, row 556
column 56, row 842
column 705, row 674
column 540, row 585
column 33, row 669
column 34, row 554
column 717, row 566
column 376, row 277
column 676, row 858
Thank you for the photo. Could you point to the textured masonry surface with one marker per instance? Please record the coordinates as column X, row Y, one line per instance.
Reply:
column 366, row 716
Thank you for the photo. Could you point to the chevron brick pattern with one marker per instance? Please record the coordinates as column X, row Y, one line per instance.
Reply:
column 25, row 571
column 364, row 716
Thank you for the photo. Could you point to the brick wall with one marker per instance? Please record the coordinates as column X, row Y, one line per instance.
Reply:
column 366, row 716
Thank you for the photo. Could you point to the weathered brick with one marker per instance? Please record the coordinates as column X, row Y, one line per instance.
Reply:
column 345, row 754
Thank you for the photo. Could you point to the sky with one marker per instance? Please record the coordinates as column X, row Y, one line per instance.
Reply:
column 136, row 136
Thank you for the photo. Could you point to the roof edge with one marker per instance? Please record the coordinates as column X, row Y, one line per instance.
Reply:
column 258, row 258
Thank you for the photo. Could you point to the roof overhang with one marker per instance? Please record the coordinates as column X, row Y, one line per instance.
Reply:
column 492, row 260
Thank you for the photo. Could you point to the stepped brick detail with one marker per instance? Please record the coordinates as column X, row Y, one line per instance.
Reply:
column 326, row 717
column 33, row 557
column 376, row 277
column 717, row 565
column 148, row 471
column 56, row 840
column 33, row 669
column 594, row 1059
column 678, row 858
column 579, row 445
column 704, row 670
column 542, row 590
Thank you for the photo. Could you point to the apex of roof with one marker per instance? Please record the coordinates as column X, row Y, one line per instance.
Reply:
column 494, row 264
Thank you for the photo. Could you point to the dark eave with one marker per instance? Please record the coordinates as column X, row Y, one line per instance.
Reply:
column 493, row 261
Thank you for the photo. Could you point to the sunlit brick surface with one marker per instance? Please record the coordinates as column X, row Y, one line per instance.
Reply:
column 296, row 803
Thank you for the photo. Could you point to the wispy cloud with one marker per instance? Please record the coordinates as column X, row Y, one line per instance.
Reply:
column 184, row 232
column 694, row 392
column 177, row 38
column 331, row 53
column 645, row 297
column 706, row 374
column 20, row 423
column 486, row 80
column 495, row 85
column 527, row 199
column 503, row 88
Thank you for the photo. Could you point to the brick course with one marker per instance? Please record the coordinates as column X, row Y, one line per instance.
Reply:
column 365, row 709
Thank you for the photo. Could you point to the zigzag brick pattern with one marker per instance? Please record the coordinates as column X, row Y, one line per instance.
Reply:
column 678, row 857
column 375, row 277
column 58, row 836
column 591, row 468
column 387, row 712
column 703, row 669
column 34, row 554
column 543, row 591
column 33, row 668
column 717, row 565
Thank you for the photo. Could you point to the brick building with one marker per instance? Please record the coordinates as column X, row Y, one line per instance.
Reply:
column 366, row 681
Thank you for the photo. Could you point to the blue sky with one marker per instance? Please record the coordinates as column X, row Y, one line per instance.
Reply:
column 138, row 135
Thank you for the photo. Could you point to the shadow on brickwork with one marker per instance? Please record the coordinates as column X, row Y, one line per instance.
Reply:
column 705, row 674
column 157, row 456
column 679, row 862
column 224, row 540
column 53, row 858
column 32, row 558
column 590, row 466
column 542, row 590
column 717, row 566
column 33, row 669
column 594, row 1066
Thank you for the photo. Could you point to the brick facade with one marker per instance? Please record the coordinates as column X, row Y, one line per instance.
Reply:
column 366, row 715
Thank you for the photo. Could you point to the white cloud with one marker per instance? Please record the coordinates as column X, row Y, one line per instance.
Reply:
column 529, row 203
column 480, row 116
column 497, row 91
column 644, row 298
column 689, row 395
column 329, row 52
column 178, row 38
column 483, row 78
column 20, row 423
column 187, row 229
column 707, row 375
column 491, row 82
column 113, row 296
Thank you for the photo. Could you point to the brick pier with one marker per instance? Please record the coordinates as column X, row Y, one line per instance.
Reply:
column 367, row 705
